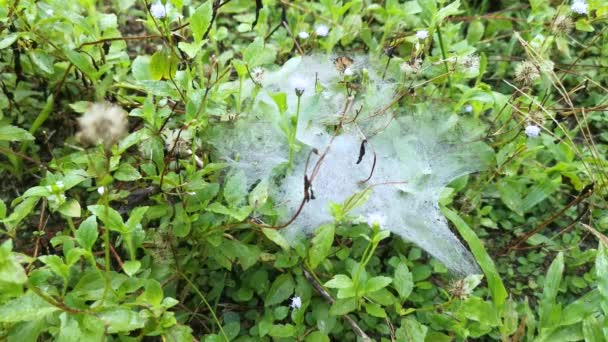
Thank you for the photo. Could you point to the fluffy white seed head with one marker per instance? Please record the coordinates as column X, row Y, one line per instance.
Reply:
column 422, row 34
column 526, row 73
column 579, row 7
column 470, row 64
column 158, row 10
column 103, row 123
column 532, row 131
column 322, row 30
column 303, row 35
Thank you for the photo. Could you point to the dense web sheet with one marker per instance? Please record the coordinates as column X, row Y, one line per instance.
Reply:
column 417, row 153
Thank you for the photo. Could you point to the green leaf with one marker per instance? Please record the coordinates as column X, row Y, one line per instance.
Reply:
column 343, row 306
column 121, row 320
column 71, row 208
column 476, row 309
column 339, row 281
column 200, row 20
column 153, row 293
column 257, row 53
column 601, row 273
column 28, row 307
column 21, row 211
column 87, row 233
column 375, row 310
column 82, row 62
column 403, row 282
column 411, row 331
column 276, row 237
column 592, row 330
column 235, row 189
column 551, row 286
column 2, row 209
column 127, row 173
column 12, row 133
column 317, row 336
column 163, row 64
column 539, row 192
column 131, row 267
column 282, row 330
column 56, row 264
column 497, row 288
column 280, row 290
column 377, row 283
column 321, row 245
column 110, row 217
column 10, row 269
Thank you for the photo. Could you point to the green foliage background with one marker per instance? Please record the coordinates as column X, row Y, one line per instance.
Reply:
column 139, row 242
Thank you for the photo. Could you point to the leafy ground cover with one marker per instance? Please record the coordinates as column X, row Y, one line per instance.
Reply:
column 188, row 170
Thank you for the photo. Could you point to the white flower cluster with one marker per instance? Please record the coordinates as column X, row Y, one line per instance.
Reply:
column 532, row 131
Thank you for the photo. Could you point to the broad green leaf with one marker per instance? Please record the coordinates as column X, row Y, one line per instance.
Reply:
column 56, row 264
column 282, row 330
column 476, row 309
column 163, row 65
column 2, row 209
column 153, row 293
column 317, row 336
column 280, row 290
column 131, row 267
column 497, row 288
column 592, row 330
column 343, row 306
column 339, row 281
column 82, row 61
column 200, row 20
column 235, row 189
column 550, row 288
column 539, row 192
column 321, row 245
column 110, row 217
column 411, row 331
column 11, row 270
column 28, row 307
column 21, row 211
column 588, row 304
column 375, row 310
column 276, row 237
column 601, row 273
column 377, row 283
column 127, row 173
column 12, row 133
column 257, row 53
column 71, row 208
column 402, row 282
column 87, row 233
column 121, row 320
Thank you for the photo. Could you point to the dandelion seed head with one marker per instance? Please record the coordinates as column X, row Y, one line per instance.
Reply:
column 526, row 73
column 258, row 74
column 562, row 25
column 422, row 34
column 103, row 123
column 532, row 131
column 470, row 64
column 158, row 10
column 322, row 30
column 579, row 7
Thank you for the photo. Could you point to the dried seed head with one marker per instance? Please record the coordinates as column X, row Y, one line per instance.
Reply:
column 526, row 73
column 179, row 142
column 469, row 64
column 562, row 25
column 103, row 123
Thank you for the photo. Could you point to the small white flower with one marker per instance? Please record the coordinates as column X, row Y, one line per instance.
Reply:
column 376, row 218
column 468, row 108
column 158, row 10
column 59, row 184
column 322, row 30
column 191, row 193
column 422, row 34
column 579, row 6
column 348, row 72
column 101, row 190
column 303, row 35
column 532, row 131
column 296, row 302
